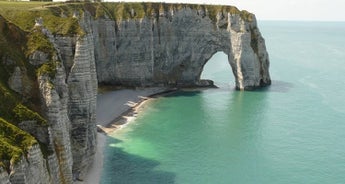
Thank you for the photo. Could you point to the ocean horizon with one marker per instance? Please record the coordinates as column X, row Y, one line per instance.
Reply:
column 289, row 132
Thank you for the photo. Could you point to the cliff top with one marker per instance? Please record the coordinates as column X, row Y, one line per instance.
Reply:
column 58, row 17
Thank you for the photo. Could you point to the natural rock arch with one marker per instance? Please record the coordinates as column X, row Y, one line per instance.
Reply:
column 166, row 50
column 166, row 47
column 172, row 50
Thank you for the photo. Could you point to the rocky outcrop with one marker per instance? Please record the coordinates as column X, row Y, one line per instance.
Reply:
column 32, row 169
column 55, row 95
column 172, row 48
column 38, row 58
column 82, row 83
column 72, row 99
column 68, row 96
column 15, row 81
column 168, row 47
column 19, row 82
column 4, row 177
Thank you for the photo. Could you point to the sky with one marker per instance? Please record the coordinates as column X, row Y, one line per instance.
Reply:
column 303, row 10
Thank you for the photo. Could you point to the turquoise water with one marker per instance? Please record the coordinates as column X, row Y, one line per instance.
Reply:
column 290, row 132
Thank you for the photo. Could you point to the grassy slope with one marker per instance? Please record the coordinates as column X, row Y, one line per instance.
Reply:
column 14, row 146
column 14, row 107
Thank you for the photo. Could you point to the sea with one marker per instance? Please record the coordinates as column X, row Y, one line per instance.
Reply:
column 292, row 132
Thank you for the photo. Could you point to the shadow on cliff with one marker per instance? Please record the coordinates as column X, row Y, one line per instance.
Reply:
column 124, row 168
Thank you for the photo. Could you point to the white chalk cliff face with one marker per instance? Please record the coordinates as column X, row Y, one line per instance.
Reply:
column 172, row 49
column 167, row 49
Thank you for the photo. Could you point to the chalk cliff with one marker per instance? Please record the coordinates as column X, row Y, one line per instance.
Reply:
column 142, row 44
column 172, row 47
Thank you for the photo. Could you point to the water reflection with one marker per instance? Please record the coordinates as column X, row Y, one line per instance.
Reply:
column 236, row 123
column 278, row 86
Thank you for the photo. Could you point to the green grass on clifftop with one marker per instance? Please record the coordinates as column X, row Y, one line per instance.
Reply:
column 58, row 17
column 123, row 11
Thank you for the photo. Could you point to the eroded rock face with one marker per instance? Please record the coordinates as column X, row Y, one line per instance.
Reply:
column 19, row 82
column 168, row 49
column 4, row 177
column 55, row 96
column 15, row 81
column 172, row 49
column 76, row 88
column 82, row 83
column 71, row 99
column 38, row 58
column 32, row 169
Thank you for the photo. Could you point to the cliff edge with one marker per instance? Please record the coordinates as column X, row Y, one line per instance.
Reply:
column 171, row 45
column 54, row 56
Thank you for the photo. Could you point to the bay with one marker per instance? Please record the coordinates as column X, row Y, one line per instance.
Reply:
column 290, row 132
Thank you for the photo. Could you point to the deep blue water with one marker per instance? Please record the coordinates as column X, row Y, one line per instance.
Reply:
column 290, row 132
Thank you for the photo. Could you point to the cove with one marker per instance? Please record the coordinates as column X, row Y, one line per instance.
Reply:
column 290, row 132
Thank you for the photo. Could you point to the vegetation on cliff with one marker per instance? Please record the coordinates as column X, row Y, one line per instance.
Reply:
column 37, row 41
column 59, row 18
column 17, row 107
column 20, row 39
column 123, row 11
column 48, row 68
column 22, row 113
column 14, row 142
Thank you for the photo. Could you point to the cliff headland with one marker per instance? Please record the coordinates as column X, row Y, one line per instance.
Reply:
column 54, row 56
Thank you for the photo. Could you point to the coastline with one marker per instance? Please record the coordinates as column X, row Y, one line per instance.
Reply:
column 115, row 109
column 126, row 108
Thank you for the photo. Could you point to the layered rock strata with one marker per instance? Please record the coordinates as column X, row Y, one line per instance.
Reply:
column 167, row 48
column 172, row 48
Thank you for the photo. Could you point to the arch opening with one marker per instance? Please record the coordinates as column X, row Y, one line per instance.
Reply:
column 218, row 69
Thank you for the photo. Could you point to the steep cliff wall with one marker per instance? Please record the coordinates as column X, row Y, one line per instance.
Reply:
column 172, row 46
column 65, row 96
column 52, row 60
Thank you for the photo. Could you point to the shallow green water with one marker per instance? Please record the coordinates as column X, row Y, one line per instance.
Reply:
column 291, row 132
